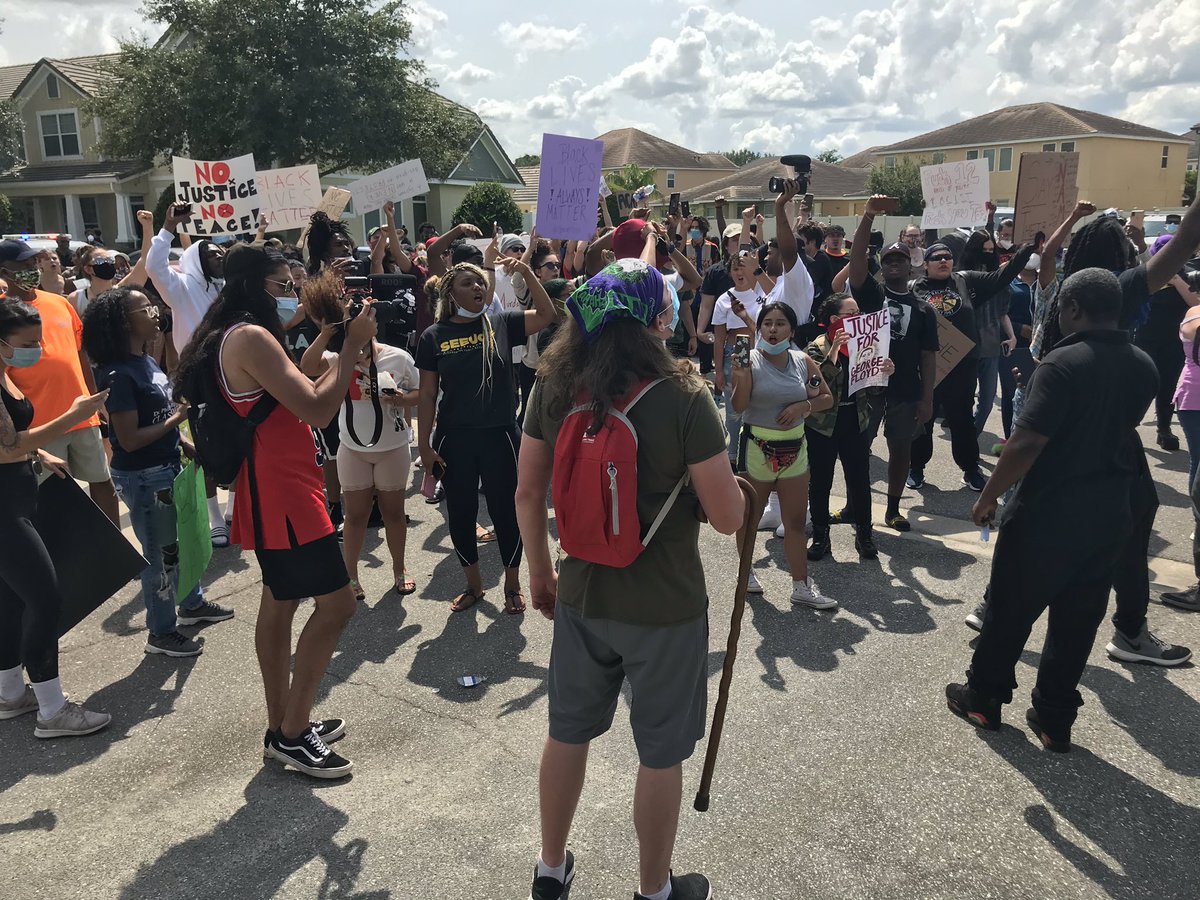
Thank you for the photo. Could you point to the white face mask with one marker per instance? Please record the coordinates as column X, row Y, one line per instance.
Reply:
column 466, row 313
column 1005, row 245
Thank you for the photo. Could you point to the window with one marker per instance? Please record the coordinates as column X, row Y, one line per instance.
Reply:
column 990, row 156
column 1006, row 159
column 1002, row 201
column 1067, row 147
column 1048, row 148
column 670, row 179
column 420, row 213
column 972, row 154
column 372, row 219
column 91, row 213
column 939, row 158
column 889, row 162
column 52, row 87
column 60, row 134
column 1166, row 154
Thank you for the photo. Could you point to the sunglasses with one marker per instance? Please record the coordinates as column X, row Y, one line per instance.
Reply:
column 151, row 311
column 550, row 265
column 941, row 259
column 288, row 286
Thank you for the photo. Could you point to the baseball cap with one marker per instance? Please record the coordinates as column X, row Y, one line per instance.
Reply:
column 627, row 241
column 896, row 249
column 733, row 229
column 938, row 248
column 374, row 231
column 511, row 242
column 13, row 250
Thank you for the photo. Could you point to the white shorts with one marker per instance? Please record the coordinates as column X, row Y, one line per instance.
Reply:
column 83, row 452
column 360, row 470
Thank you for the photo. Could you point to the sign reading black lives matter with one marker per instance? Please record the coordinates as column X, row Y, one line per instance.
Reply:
column 223, row 194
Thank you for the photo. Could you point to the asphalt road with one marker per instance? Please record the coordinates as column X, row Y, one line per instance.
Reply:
column 842, row 775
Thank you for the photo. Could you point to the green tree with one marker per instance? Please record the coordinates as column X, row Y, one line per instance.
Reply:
column 529, row 159
column 485, row 203
column 903, row 181
column 1189, row 188
column 741, row 157
column 631, row 178
column 12, row 152
column 830, row 156
column 8, row 219
column 294, row 82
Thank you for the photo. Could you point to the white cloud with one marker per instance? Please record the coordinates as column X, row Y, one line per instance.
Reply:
column 468, row 73
column 530, row 38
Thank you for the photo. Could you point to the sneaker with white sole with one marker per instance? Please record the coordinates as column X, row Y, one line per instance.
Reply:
column 1146, row 647
column 309, row 754
column 770, row 518
column 975, row 618
column 806, row 593
column 26, row 703
column 752, row 586
column 547, row 887
column 328, row 730
column 205, row 612
column 71, row 721
column 693, row 886
column 1188, row 598
column 779, row 531
column 173, row 644
column 219, row 535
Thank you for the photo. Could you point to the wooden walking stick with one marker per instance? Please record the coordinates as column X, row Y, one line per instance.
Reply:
column 749, row 534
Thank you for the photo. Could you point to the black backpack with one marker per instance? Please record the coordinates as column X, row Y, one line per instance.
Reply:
column 223, row 439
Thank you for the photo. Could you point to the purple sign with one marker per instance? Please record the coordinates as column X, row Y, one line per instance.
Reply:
column 569, row 187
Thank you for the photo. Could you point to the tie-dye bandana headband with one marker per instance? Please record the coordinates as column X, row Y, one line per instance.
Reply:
column 627, row 288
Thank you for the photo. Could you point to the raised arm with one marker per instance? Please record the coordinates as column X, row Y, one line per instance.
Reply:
column 137, row 275
column 857, row 270
column 595, row 254
column 543, row 312
column 719, row 206
column 393, row 239
column 264, row 222
column 1170, row 259
column 435, row 250
column 170, row 283
column 1049, row 268
column 985, row 285
column 789, row 254
column 377, row 256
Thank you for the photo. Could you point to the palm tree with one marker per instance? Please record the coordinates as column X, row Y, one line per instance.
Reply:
column 631, row 178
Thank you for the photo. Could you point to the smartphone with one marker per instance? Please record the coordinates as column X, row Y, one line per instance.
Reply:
column 686, row 209
column 741, row 351
column 889, row 206
column 673, row 205
column 497, row 230
column 182, row 209
column 1138, row 218
column 808, row 200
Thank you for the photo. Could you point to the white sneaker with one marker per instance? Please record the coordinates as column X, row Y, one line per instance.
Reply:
column 70, row 721
column 779, row 531
column 806, row 593
column 770, row 518
column 752, row 586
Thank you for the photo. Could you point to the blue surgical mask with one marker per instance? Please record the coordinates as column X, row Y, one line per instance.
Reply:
column 22, row 357
column 694, row 234
column 1170, row 228
column 286, row 307
column 674, row 305
column 773, row 349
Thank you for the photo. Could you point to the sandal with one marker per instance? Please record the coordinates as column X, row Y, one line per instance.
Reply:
column 359, row 594
column 898, row 522
column 514, row 602
column 484, row 535
column 466, row 600
column 405, row 585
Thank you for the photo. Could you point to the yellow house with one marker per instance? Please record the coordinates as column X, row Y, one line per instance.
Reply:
column 1121, row 164
column 677, row 169
column 837, row 190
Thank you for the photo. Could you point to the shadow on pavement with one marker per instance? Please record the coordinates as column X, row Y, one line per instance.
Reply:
column 810, row 639
column 373, row 635
column 282, row 827
column 38, row 820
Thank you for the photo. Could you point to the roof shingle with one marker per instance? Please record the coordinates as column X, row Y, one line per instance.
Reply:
column 529, row 193
column 629, row 145
column 750, row 182
column 108, row 168
column 85, row 72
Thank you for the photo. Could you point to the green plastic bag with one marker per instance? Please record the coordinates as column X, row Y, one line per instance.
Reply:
column 195, row 540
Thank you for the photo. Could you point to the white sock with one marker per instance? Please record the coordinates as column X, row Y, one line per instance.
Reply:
column 50, row 698
column 229, row 507
column 661, row 895
column 773, row 505
column 558, row 872
column 12, row 684
column 214, row 513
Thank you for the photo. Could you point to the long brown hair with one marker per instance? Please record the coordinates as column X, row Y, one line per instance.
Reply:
column 607, row 369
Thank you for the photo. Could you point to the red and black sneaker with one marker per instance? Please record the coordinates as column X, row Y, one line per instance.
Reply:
column 1057, row 743
column 975, row 708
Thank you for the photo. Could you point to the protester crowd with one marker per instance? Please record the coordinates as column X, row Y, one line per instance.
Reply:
column 499, row 369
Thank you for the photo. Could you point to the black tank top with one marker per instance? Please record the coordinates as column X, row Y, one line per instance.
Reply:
column 20, row 411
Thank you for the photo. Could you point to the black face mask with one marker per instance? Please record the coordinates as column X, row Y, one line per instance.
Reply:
column 105, row 271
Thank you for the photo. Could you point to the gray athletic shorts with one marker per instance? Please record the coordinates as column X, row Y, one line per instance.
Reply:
column 668, row 679
column 900, row 421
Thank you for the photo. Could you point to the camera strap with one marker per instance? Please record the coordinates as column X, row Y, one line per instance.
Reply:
column 373, row 376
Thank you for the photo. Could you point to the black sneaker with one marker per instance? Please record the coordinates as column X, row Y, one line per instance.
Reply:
column 820, row 546
column 1188, row 599
column 309, row 754
column 1058, row 743
column 173, row 644
column 1167, row 441
column 328, row 730
column 548, row 888
column 864, row 543
column 686, row 887
column 974, row 480
column 205, row 612
column 977, row 710
column 438, row 494
column 916, row 478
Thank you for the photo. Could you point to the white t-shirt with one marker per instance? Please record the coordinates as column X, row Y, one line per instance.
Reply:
column 723, row 308
column 795, row 288
column 396, row 370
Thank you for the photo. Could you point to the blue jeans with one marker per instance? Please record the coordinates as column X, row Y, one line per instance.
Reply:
column 989, row 375
column 733, row 420
column 1189, row 421
column 149, row 494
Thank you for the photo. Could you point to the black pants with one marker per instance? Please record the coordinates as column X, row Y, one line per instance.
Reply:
column 525, row 379
column 850, row 446
column 29, row 596
column 1131, row 580
column 476, row 456
column 1021, row 358
column 954, row 398
column 1048, row 560
column 1167, row 352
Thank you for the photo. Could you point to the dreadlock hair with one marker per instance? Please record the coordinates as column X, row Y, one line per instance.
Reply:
column 1100, row 244
column 106, row 330
column 443, row 289
column 16, row 314
column 321, row 232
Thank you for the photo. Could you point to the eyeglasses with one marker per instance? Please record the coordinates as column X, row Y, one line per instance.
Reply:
column 940, row 259
column 151, row 311
column 516, row 249
column 288, row 286
column 550, row 265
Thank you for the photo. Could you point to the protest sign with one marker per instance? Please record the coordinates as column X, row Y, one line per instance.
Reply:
column 568, row 187
column 953, row 345
column 956, row 194
column 870, row 344
column 289, row 196
column 1046, row 193
column 223, row 194
column 395, row 184
column 333, row 204
column 605, row 190
column 191, row 524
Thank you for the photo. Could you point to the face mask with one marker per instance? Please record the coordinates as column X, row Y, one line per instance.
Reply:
column 26, row 279
column 467, row 314
column 773, row 349
column 286, row 307
column 674, row 306
column 22, row 357
column 105, row 271
column 1170, row 228
column 694, row 234
column 1005, row 245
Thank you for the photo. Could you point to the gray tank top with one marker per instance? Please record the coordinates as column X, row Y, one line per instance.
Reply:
column 774, row 388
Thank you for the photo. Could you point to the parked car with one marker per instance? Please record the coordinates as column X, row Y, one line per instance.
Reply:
column 43, row 241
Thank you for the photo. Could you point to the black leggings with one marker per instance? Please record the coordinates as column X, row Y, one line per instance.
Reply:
column 853, row 448
column 29, row 597
column 1167, row 352
column 486, row 456
column 525, row 379
column 954, row 399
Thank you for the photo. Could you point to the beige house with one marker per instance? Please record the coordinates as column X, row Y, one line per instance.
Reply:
column 836, row 190
column 1121, row 164
column 66, row 185
column 676, row 168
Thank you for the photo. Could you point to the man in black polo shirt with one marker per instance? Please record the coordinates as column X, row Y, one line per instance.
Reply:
column 1074, row 452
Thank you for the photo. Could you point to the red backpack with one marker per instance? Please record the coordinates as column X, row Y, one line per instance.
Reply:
column 595, row 486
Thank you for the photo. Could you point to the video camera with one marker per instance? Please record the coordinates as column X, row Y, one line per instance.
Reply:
column 393, row 297
column 801, row 165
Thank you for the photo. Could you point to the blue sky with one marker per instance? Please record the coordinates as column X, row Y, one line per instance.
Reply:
column 724, row 74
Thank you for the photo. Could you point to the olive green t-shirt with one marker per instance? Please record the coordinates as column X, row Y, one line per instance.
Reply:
column 676, row 428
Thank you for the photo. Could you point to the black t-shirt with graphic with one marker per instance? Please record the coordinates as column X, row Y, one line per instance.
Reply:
column 914, row 331
column 300, row 336
column 454, row 352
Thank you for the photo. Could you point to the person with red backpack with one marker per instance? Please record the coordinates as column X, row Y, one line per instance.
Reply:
column 635, row 447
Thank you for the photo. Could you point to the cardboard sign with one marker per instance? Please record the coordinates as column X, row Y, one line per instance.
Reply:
column 289, row 196
column 956, row 194
column 870, row 347
column 568, row 187
column 333, row 204
column 191, row 525
column 223, row 194
column 397, row 183
column 953, row 345
column 1046, row 193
